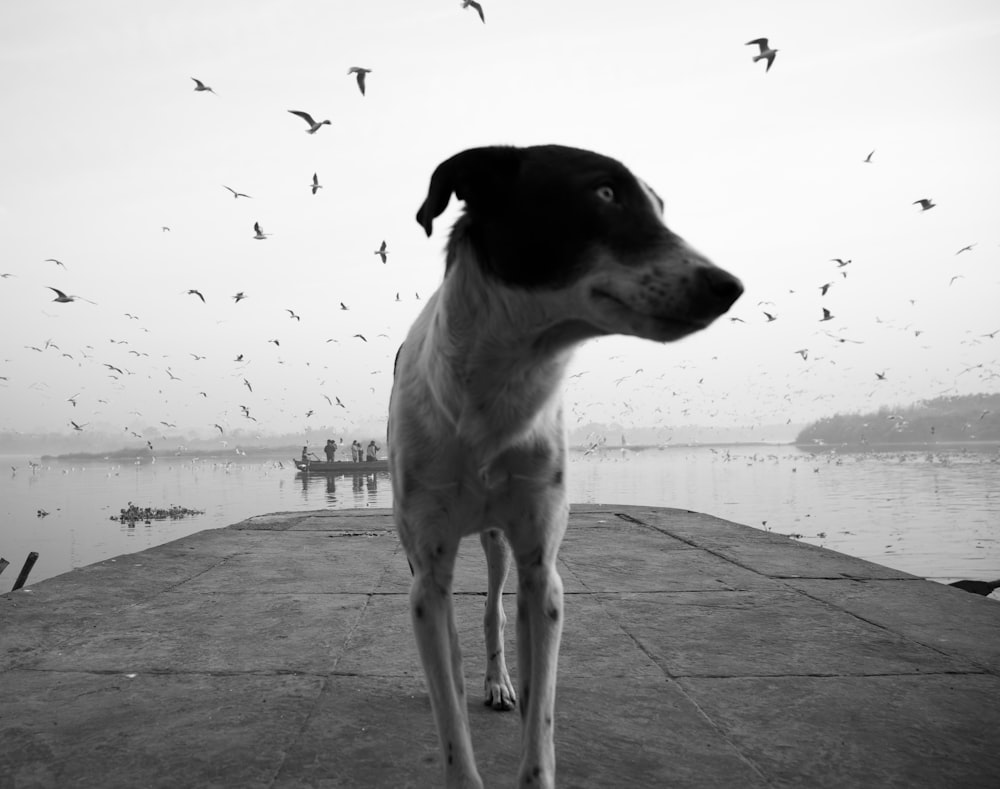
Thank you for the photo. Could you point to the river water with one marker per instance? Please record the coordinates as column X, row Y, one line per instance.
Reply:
column 933, row 512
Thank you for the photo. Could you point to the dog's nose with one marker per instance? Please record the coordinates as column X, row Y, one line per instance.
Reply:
column 722, row 287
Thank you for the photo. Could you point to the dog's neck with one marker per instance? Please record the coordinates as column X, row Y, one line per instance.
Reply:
column 496, row 356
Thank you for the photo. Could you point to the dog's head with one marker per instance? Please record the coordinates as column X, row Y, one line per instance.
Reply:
column 562, row 219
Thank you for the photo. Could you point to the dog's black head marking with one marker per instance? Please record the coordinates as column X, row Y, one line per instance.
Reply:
column 533, row 214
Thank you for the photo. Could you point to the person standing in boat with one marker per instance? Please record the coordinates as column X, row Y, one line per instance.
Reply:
column 356, row 451
column 330, row 449
column 371, row 454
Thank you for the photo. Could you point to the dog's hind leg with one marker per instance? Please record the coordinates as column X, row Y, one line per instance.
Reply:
column 539, row 629
column 433, row 618
column 499, row 690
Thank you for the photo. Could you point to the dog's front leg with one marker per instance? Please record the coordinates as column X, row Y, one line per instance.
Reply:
column 539, row 629
column 433, row 618
column 499, row 690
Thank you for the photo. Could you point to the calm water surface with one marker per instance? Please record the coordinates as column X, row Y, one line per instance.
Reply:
column 931, row 513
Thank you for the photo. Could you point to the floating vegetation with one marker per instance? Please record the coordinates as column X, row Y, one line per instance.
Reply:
column 133, row 514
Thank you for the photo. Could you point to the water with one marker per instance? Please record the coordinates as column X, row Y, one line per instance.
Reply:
column 931, row 513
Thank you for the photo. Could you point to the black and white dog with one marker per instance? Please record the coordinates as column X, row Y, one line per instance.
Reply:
column 556, row 245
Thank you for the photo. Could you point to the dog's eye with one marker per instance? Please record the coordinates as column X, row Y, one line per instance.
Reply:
column 606, row 193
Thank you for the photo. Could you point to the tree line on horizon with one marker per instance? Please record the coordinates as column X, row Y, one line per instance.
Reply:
column 950, row 418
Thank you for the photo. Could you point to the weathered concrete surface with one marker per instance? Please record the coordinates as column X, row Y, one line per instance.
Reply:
column 696, row 653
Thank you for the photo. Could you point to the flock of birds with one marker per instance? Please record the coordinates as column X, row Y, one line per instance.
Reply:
column 771, row 313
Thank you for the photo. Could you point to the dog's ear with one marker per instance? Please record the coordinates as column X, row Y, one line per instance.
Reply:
column 480, row 176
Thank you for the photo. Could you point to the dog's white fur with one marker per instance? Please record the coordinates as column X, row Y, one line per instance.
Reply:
column 477, row 444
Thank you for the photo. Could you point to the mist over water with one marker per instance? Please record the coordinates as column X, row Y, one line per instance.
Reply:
column 933, row 512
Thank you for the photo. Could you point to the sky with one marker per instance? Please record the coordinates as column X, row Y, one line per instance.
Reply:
column 105, row 143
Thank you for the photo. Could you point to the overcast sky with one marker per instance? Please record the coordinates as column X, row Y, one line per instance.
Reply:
column 105, row 142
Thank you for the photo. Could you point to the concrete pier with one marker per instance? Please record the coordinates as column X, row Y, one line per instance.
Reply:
column 696, row 653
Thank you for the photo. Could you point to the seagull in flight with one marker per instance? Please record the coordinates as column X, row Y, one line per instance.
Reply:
column 827, row 315
column 78, row 427
column 193, row 292
column 57, row 262
column 966, row 248
column 841, row 262
column 868, row 158
column 313, row 125
column 239, row 296
column 382, row 252
column 925, row 204
column 236, row 195
column 62, row 298
column 824, row 288
column 766, row 53
column 316, row 185
column 259, row 233
column 769, row 316
column 292, row 314
column 200, row 86
column 361, row 72
column 476, row 6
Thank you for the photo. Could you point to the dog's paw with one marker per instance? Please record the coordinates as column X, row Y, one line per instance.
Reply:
column 500, row 693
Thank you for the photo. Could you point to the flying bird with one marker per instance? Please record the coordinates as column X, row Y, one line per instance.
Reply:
column 247, row 384
column 766, row 53
column 200, row 86
column 239, row 297
column 827, row 315
column 292, row 314
column 78, row 427
column 966, row 248
column 313, row 125
column 236, row 195
column 841, row 262
column 868, row 158
column 57, row 262
column 880, row 376
column 344, row 306
column 925, row 204
column 824, row 288
column 803, row 352
column 476, row 6
column 362, row 337
column 770, row 317
column 316, row 185
column 382, row 252
column 259, row 233
column 62, row 298
column 361, row 72
column 193, row 292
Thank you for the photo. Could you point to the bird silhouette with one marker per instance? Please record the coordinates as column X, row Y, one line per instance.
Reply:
column 236, row 195
column 200, row 86
column 62, row 298
column 259, row 233
column 292, row 314
column 239, row 297
column 827, row 315
column 360, row 72
column 57, row 262
column 316, row 185
column 382, row 252
column 193, row 292
column 766, row 53
column 868, row 158
column 925, row 204
column 313, row 125
column 478, row 8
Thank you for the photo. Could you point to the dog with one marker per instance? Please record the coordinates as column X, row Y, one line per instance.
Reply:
column 556, row 245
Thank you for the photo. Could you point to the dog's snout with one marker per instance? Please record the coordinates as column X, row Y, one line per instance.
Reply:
column 721, row 287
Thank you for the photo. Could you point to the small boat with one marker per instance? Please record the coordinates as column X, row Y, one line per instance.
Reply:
column 341, row 466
